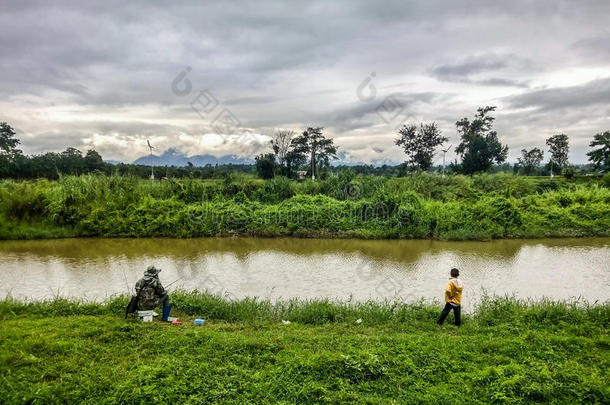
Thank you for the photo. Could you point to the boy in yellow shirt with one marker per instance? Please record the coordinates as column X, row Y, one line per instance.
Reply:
column 453, row 298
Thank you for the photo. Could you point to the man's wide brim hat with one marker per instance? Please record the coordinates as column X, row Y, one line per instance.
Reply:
column 152, row 270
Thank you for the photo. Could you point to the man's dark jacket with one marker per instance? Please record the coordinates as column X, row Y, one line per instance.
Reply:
column 150, row 292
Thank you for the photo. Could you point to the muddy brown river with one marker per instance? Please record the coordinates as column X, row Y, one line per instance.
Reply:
column 285, row 268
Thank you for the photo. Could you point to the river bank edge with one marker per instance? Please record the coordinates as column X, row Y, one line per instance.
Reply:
column 37, row 231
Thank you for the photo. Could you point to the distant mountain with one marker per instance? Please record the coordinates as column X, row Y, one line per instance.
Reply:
column 173, row 157
column 344, row 159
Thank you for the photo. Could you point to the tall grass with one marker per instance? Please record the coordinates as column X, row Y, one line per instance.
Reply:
column 492, row 310
column 418, row 206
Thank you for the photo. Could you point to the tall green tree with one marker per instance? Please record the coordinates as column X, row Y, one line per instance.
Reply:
column 479, row 147
column 294, row 159
column 71, row 161
column 265, row 165
column 419, row 143
column 314, row 144
column 93, row 161
column 8, row 140
column 558, row 149
column 530, row 159
column 600, row 156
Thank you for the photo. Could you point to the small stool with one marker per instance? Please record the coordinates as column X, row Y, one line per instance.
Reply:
column 146, row 316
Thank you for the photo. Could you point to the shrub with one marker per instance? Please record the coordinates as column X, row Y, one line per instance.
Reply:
column 275, row 190
column 606, row 180
column 22, row 201
column 569, row 173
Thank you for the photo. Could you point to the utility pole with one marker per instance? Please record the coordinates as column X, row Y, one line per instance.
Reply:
column 444, row 153
column 152, row 172
column 313, row 164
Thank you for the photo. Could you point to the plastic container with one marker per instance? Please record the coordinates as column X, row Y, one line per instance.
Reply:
column 145, row 316
column 199, row 321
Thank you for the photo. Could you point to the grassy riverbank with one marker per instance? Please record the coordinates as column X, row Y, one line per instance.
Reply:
column 418, row 206
column 508, row 351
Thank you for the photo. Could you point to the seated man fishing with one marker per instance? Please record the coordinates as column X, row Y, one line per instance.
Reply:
column 150, row 293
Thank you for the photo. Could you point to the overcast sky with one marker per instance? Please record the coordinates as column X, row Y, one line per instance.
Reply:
column 107, row 75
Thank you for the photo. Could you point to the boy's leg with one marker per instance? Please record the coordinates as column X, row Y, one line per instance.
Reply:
column 457, row 314
column 444, row 313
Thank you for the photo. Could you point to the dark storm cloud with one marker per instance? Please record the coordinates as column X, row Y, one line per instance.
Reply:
column 106, row 68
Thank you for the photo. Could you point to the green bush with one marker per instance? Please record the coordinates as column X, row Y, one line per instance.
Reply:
column 569, row 173
column 606, row 180
column 275, row 190
column 23, row 201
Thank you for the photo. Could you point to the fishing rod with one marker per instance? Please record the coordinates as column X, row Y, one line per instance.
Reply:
column 178, row 279
column 126, row 282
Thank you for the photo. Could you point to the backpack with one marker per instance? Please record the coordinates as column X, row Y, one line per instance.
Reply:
column 132, row 307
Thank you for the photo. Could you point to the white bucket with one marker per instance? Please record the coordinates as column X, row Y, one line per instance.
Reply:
column 145, row 316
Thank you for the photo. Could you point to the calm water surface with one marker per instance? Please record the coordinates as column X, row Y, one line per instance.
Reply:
column 308, row 268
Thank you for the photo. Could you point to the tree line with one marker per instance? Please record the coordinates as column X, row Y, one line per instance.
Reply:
column 479, row 150
column 51, row 165
column 310, row 154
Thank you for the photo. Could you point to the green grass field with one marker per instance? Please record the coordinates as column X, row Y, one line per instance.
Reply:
column 507, row 351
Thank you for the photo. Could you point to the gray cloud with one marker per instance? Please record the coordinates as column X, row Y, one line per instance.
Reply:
column 100, row 74
column 498, row 81
column 365, row 114
column 591, row 93
column 595, row 47
column 253, row 100
column 471, row 65
column 464, row 70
